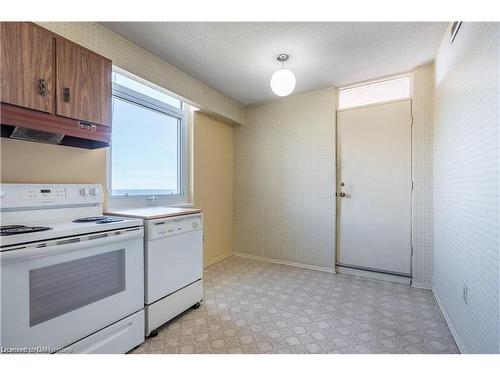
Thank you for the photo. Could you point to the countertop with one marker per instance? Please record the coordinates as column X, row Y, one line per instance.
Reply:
column 156, row 212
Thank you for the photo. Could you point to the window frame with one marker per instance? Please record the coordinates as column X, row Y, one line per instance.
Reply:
column 142, row 100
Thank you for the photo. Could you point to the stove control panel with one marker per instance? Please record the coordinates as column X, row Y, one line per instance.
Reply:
column 45, row 194
column 38, row 195
column 159, row 228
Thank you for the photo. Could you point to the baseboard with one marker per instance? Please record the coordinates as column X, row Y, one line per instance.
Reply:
column 284, row 262
column 454, row 332
column 373, row 275
column 217, row 259
column 421, row 286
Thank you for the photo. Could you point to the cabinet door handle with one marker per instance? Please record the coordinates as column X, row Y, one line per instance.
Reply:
column 42, row 87
column 66, row 94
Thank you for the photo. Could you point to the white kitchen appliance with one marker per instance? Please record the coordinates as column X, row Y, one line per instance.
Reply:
column 173, row 258
column 72, row 280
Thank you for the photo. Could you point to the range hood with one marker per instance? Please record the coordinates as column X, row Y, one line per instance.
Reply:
column 34, row 135
column 35, row 126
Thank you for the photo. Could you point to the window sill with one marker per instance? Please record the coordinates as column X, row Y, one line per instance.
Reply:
column 110, row 206
column 180, row 205
column 127, row 203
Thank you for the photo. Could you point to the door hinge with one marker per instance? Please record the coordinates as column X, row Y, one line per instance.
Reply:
column 411, row 120
column 411, row 249
column 412, row 186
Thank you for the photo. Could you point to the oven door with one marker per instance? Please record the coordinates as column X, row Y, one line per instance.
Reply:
column 57, row 292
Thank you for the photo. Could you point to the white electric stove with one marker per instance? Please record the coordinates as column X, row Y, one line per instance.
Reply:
column 72, row 280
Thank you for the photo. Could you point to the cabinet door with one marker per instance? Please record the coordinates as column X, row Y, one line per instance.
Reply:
column 26, row 66
column 83, row 81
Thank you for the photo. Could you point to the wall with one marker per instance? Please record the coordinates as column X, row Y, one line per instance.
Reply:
column 213, row 184
column 29, row 162
column 466, row 185
column 138, row 61
column 422, row 229
column 284, row 171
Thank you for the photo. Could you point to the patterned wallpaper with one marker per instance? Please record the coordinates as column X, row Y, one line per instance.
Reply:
column 138, row 61
column 259, row 147
column 284, row 159
column 422, row 112
column 466, row 184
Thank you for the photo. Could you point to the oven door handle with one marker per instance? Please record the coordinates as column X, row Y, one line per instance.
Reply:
column 66, row 245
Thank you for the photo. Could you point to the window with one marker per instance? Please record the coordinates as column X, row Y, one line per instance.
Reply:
column 148, row 150
column 375, row 92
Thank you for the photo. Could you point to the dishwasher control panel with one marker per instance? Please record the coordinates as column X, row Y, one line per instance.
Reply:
column 159, row 228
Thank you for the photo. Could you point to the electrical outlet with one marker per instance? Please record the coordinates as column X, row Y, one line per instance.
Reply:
column 465, row 294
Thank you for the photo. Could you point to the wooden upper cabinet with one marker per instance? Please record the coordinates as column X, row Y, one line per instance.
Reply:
column 83, row 81
column 52, row 85
column 26, row 66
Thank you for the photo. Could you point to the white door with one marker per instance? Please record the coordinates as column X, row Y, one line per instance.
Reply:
column 374, row 187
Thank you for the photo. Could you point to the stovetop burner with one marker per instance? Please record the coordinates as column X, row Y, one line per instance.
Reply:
column 98, row 219
column 9, row 230
column 88, row 219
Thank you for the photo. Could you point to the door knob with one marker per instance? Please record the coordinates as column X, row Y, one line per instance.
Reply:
column 342, row 194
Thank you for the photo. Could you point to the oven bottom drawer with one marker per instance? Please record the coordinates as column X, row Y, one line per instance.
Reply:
column 118, row 338
column 167, row 308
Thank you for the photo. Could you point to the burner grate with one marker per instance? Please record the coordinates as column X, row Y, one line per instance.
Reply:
column 98, row 219
column 89, row 219
column 9, row 230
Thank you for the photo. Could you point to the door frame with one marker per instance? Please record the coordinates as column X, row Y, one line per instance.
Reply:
column 364, row 271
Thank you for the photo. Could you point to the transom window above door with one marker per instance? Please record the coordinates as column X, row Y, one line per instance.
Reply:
column 379, row 91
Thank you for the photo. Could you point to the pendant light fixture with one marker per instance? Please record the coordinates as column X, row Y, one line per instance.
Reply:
column 283, row 80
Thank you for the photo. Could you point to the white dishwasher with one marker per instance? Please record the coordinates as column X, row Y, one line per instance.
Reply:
column 173, row 262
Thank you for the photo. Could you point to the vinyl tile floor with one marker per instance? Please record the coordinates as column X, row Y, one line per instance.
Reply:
column 259, row 307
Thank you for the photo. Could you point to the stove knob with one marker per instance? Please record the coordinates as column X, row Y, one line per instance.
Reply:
column 93, row 192
column 83, row 192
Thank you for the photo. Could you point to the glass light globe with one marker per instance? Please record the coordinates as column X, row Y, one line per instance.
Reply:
column 283, row 82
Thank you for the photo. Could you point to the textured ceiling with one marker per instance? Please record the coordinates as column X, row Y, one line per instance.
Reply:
column 238, row 59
